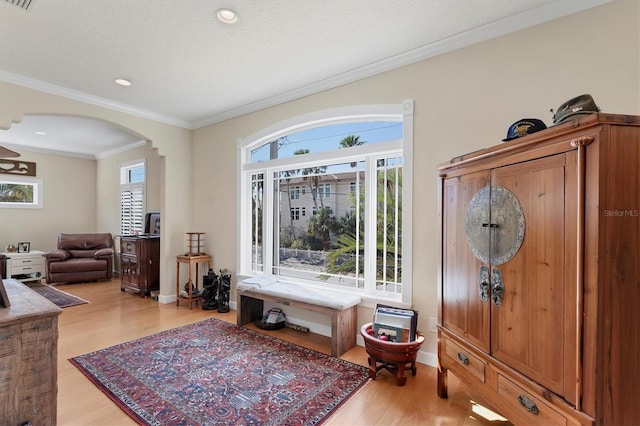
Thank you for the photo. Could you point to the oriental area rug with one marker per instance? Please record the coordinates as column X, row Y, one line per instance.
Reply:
column 215, row 373
column 58, row 297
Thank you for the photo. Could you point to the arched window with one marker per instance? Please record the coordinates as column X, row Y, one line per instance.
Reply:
column 325, row 201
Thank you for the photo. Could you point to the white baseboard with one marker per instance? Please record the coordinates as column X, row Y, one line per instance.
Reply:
column 167, row 299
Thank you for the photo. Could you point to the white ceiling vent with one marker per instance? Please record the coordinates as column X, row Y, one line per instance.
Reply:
column 22, row 4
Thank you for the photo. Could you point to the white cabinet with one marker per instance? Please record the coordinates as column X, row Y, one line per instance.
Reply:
column 25, row 266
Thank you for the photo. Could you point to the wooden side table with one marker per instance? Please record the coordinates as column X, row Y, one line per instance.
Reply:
column 190, row 259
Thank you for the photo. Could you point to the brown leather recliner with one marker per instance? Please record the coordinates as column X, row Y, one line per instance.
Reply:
column 80, row 258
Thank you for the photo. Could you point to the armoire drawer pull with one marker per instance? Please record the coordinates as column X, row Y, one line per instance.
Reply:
column 528, row 404
column 463, row 358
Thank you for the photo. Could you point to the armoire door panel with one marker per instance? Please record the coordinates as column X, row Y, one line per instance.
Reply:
column 619, row 277
column 528, row 330
column 464, row 312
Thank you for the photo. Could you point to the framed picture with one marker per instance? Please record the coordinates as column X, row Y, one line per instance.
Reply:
column 24, row 247
column 4, row 299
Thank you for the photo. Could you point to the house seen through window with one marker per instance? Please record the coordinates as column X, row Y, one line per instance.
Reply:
column 348, row 176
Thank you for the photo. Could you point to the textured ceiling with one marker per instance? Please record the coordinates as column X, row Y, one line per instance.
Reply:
column 190, row 70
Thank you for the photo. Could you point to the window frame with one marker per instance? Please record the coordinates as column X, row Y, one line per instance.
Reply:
column 358, row 113
column 38, row 199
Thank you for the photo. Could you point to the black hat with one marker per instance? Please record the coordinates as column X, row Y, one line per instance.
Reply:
column 524, row 127
column 580, row 105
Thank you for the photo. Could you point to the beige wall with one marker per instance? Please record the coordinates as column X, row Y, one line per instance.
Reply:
column 79, row 196
column 69, row 203
column 464, row 101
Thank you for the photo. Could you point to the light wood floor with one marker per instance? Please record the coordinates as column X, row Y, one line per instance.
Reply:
column 114, row 317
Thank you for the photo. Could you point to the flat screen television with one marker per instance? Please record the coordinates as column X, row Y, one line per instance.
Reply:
column 152, row 223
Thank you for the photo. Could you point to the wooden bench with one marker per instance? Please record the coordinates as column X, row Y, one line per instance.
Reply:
column 344, row 328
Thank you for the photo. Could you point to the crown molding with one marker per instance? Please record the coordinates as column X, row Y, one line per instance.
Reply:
column 83, row 156
column 545, row 13
column 76, row 95
column 22, row 148
column 115, row 151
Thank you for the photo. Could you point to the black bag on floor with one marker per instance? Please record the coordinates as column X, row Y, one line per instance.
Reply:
column 224, row 288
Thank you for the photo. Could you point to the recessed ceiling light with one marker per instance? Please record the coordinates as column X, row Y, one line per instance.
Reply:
column 227, row 16
column 123, row 82
column 41, row 133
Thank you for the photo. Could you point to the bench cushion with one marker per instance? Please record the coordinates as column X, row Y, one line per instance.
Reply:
column 333, row 300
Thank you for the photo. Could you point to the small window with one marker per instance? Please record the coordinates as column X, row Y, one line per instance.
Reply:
column 295, row 213
column 324, row 190
column 295, row 192
column 20, row 192
column 132, row 178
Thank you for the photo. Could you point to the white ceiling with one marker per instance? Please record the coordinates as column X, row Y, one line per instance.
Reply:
column 190, row 70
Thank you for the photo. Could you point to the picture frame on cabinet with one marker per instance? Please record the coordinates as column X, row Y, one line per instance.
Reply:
column 24, row 247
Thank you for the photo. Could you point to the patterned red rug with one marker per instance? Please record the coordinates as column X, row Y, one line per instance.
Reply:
column 215, row 373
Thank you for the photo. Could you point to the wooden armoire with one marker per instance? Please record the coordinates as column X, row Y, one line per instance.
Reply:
column 539, row 285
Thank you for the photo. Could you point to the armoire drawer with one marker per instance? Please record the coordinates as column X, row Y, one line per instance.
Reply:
column 463, row 358
column 25, row 269
column 527, row 408
column 26, row 265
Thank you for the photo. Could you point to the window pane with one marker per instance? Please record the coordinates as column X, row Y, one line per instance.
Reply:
column 136, row 174
column 328, row 138
column 257, row 196
column 328, row 244
column 132, row 173
column 389, row 225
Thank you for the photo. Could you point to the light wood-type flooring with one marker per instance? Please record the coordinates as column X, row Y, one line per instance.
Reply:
column 114, row 317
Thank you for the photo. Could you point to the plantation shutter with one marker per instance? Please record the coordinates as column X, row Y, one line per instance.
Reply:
column 131, row 211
